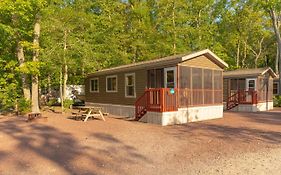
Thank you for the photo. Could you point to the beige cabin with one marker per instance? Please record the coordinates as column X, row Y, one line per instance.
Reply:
column 171, row 90
column 248, row 89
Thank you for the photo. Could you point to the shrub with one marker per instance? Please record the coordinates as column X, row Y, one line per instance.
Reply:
column 67, row 103
column 277, row 101
column 51, row 102
column 24, row 105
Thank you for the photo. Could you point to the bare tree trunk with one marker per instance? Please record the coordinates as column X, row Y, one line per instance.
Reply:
column 238, row 54
column 49, row 84
column 61, row 93
column 278, row 39
column 21, row 59
column 174, row 29
column 276, row 59
column 65, row 72
column 35, row 82
column 257, row 54
column 244, row 55
column 65, row 78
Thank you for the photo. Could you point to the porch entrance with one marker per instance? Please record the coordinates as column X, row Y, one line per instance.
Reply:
column 170, row 77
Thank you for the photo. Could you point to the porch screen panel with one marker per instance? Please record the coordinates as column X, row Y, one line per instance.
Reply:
column 208, row 86
column 197, row 88
column 151, row 77
column 159, row 78
column 233, row 85
column 218, row 87
column 184, row 86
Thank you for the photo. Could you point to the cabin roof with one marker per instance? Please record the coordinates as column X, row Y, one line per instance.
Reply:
column 242, row 73
column 174, row 59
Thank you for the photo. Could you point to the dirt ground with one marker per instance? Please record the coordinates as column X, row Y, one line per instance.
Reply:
column 240, row 143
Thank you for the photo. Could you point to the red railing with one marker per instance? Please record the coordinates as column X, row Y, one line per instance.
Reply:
column 247, row 97
column 157, row 100
column 141, row 106
column 241, row 97
column 232, row 101
column 161, row 99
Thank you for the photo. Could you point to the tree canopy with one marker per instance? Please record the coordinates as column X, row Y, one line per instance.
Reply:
column 82, row 36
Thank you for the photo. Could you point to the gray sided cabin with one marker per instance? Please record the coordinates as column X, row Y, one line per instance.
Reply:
column 248, row 89
column 171, row 90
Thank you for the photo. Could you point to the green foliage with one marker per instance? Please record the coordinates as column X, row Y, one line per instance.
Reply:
column 8, row 84
column 277, row 101
column 24, row 105
column 51, row 102
column 90, row 35
column 67, row 103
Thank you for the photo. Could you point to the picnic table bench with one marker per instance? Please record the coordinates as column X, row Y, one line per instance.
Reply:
column 86, row 112
column 33, row 115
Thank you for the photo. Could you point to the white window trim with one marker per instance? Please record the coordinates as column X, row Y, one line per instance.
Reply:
column 175, row 75
column 277, row 88
column 112, row 76
column 91, row 85
column 247, row 83
column 134, row 75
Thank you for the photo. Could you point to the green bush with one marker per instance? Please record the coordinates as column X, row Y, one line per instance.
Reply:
column 277, row 101
column 67, row 103
column 51, row 102
column 24, row 105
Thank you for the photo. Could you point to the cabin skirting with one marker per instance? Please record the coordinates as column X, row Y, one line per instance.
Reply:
column 123, row 111
column 262, row 106
column 183, row 115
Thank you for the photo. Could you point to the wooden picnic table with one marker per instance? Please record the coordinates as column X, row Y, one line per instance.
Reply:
column 90, row 112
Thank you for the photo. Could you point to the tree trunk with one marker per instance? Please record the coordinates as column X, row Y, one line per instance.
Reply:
column 21, row 59
column 65, row 77
column 278, row 39
column 244, row 55
column 276, row 59
column 238, row 54
column 174, row 29
column 35, row 82
column 61, row 93
column 49, row 84
column 65, row 71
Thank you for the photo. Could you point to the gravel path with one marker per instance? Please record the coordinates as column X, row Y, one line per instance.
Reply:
column 240, row 143
column 264, row 162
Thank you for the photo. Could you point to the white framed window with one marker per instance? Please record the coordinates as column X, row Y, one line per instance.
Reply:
column 170, row 77
column 275, row 88
column 251, row 84
column 130, row 85
column 111, row 83
column 94, row 85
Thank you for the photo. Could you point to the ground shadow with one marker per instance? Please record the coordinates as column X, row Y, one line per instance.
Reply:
column 241, row 132
column 63, row 148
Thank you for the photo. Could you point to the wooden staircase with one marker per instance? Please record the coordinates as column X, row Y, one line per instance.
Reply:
column 141, row 106
column 232, row 101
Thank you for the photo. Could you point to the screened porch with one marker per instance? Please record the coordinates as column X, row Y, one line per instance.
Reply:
column 180, row 87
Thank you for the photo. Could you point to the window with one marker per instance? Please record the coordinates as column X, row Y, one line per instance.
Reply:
column 250, row 84
column 170, row 77
column 275, row 88
column 94, row 85
column 130, row 90
column 111, row 83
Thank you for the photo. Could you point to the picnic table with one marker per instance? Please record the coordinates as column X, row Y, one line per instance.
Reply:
column 87, row 112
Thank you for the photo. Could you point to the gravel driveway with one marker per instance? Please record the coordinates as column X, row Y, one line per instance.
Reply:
column 240, row 143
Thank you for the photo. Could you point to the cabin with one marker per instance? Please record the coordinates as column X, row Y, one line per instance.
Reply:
column 248, row 90
column 171, row 90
